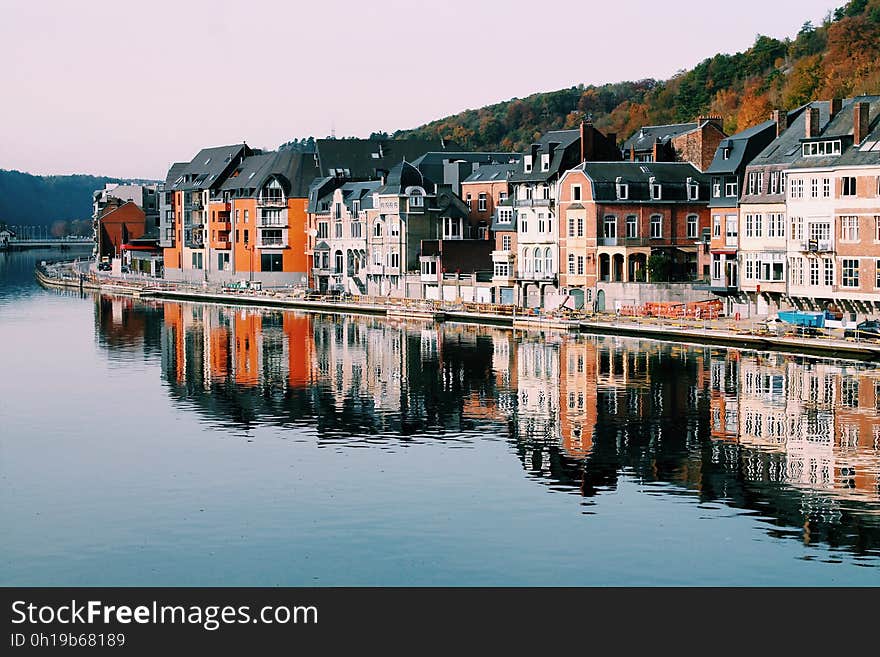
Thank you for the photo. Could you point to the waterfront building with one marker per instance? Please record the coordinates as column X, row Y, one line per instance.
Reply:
column 763, row 219
column 167, row 226
column 258, row 220
column 144, row 195
column 833, row 200
column 191, row 192
column 534, row 187
column 616, row 215
column 694, row 142
column 727, row 172
column 117, row 223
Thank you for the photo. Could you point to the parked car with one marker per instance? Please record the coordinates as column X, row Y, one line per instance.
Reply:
column 870, row 328
column 104, row 266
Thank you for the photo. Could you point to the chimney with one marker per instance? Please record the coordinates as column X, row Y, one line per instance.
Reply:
column 812, row 122
column 860, row 122
column 715, row 120
column 588, row 142
column 632, row 153
column 655, row 151
column 834, row 106
column 780, row 118
column 583, row 142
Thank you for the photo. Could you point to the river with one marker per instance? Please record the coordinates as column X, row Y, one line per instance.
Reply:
column 180, row 444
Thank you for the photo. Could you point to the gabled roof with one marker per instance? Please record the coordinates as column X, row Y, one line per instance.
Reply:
column 209, row 168
column 841, row 127
column 644, row 138
column 672, row 176
column 245, row 178
column 294, row 170
column 404, row 175
column 565, row 145
column 787, row 147
column 736, row 151
column 174, row 173
column 366, row 158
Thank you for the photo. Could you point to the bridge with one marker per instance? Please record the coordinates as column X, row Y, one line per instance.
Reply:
column 15, row 244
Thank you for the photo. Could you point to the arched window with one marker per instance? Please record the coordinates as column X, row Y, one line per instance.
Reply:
column 272, row 192
column 527, row 263
column 537, row 260
column 548, row 261
column 416, row 198
column 377, row 229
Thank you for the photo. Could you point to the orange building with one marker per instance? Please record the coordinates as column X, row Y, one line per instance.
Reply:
column 117, row 225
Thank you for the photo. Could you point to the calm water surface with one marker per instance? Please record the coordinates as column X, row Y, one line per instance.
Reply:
column 185, row 444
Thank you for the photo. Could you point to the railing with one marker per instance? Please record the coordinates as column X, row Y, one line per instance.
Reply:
column 272, row 241
column 534, row 202
column 535, row 276
column 271, row 202
column 816, row 246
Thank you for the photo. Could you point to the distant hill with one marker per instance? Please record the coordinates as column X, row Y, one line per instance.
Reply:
column 31, row 200
column 839, row 58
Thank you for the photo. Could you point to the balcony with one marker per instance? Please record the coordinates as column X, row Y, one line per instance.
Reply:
column 223, row 245
column 625, row 241
column 271, row 202
column 534, row 202
column 536, row 276
column 503, row 256
column 272, row 243
column 271, row 222
column 816, row 246
column 196, row 203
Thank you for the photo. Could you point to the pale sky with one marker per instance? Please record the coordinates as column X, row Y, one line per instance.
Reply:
column 121, row 88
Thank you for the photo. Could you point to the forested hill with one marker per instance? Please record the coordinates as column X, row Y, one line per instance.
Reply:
column 31, row 200
column 839, row 58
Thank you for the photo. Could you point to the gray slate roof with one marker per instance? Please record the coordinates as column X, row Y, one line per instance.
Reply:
column 644, row 138
column 672, row 176
column 841, row 126
column 209, row 167
column 741, row 148
column 491, row 173
column 565, row 155
column 364, row 158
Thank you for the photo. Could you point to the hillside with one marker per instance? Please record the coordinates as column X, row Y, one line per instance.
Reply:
column 31, row 200
column 839, row 58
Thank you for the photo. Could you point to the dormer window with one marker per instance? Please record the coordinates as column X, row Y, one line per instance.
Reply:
column 693, row 189
column 622, row 189
column 725, row 152
column 416, row 198
column 527, row 164
column 820, row 148
column 656, row 189
column 545, row 162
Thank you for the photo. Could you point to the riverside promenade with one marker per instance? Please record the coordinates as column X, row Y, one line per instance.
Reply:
column 723, row 332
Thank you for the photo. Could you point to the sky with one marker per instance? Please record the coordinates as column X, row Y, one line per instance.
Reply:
column 126, row 88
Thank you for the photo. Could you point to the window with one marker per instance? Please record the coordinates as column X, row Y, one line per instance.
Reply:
column 796, row 266
column 571, row 226
column 849, row 229
column 197, row 260
column 656, row 190
column 656, row 226
column 451, row 228
column 877, row 228
column 502, row 269
column 580, row 269
column 814, row 188
column 545, row 161
column 759, row 225
column 732, row 230
column 416, row 198
column 246, row 236
column 693, row 190
column 323, row 230
column 580, row 226
column 222, row 261
column 395, row 260
column 716, row 266
column 338, row 230
column 523, row 225
column 752, row 187
column 481, row 202
column 609, row 227
column 357, row 229
column 621, row 188
column 526, row 261
column 394, row 229
column 819, row 148
column 502, row 196
column 750, row 225
column 692, row 226
column 716, row 187
column 545, row 191
column 505, row 242
column 776, row 225
column 468, row 202
column 877, row 273
column 377, row 229
column 850, row 272
column 797, row 188
column 814, row 271
column 527, row 164
column 797, row 228
column 731, row 189
column 575, row 192
column 716, row 226
column 272, row 237
column 236, row 216
column 540, row 222
column 848, row 186
column 774, row 183
column 538, row 268
column 271, row 262
column 571, row 262
column 826, row 187
column 820, row 231
column 828, row 267
column 245, row 216
column 632, row 227
column 548, row 260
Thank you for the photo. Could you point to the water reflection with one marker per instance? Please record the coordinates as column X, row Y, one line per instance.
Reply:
column 792, row 440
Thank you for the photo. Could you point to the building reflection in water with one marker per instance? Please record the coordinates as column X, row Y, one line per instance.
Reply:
column 796, row 439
